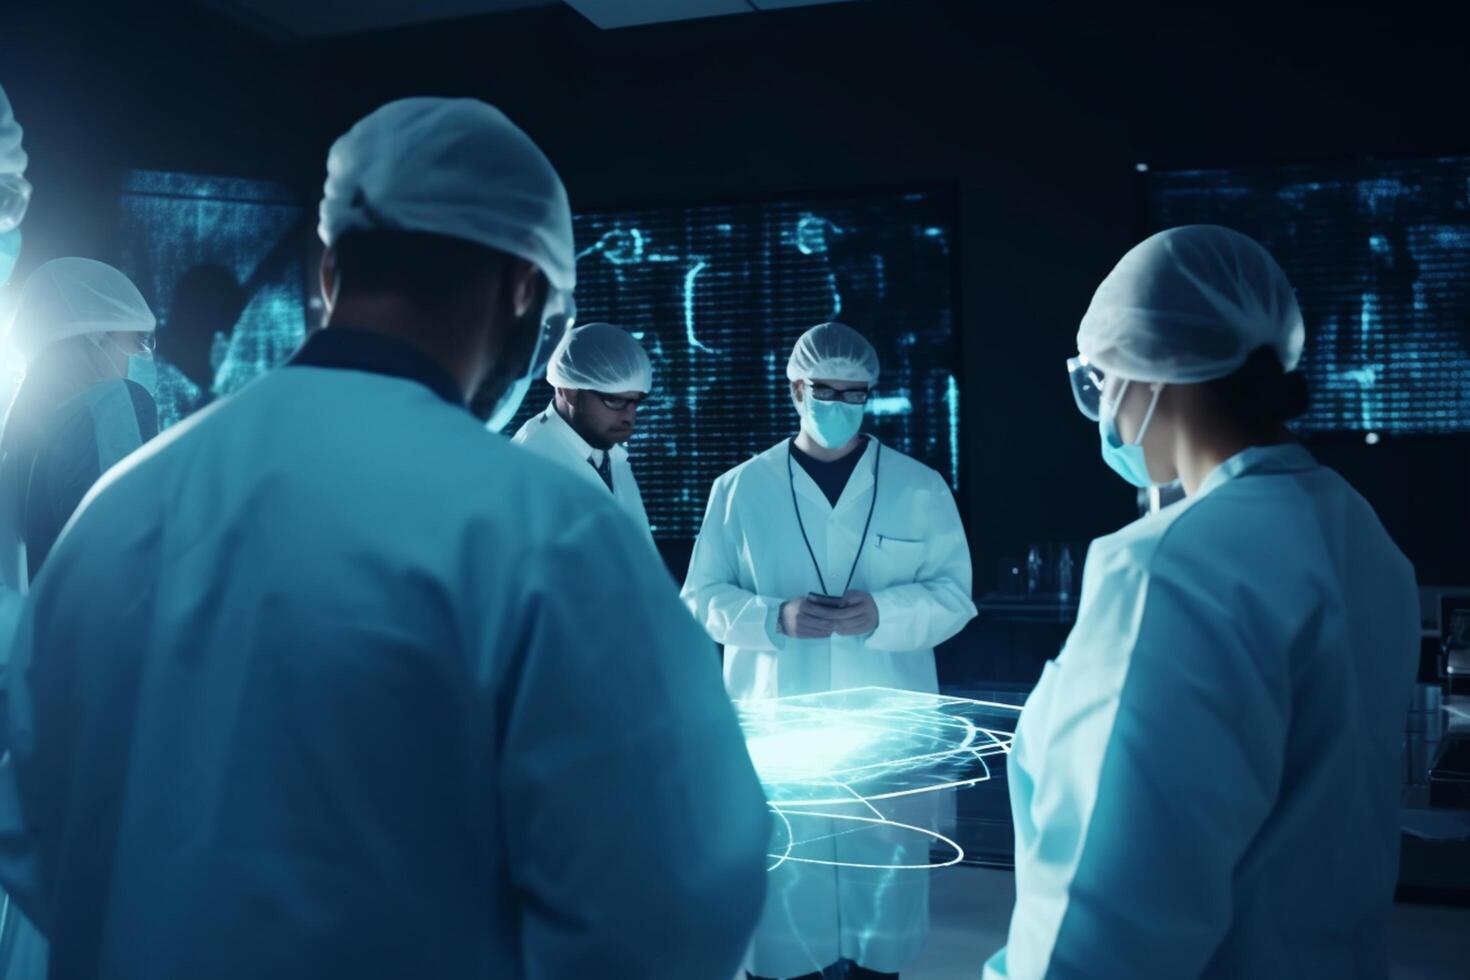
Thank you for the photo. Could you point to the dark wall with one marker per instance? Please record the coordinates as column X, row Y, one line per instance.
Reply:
column 104, row 87
column 1037, row 113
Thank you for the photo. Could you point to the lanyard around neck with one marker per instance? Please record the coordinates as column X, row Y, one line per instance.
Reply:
column 862, row 542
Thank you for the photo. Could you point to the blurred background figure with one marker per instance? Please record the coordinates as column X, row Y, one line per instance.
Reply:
column 86, row 335
column 83, row 329
column 208, row 301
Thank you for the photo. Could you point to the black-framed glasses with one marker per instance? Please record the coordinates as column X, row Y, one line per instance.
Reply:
column 827, row 393
column 617, row 403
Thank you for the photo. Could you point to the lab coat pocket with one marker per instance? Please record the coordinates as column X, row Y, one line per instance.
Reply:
column 896, row 561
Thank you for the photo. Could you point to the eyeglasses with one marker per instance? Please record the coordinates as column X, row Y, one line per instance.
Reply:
column 148, row 342
column 1088, row 382
column 617, row 403
column 826, row 393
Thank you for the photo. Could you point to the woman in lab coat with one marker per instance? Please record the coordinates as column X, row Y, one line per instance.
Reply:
column 891, row 545
column 1204, row 782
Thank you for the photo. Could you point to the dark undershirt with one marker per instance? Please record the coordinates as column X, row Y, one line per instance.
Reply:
column 830, row 477
column 362, row 350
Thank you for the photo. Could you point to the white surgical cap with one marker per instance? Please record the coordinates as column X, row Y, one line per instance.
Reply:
column 1190, row 305
column 453, row 167
column 71, row 297
column 600, row 357
column 833, row 352
column 15, row 191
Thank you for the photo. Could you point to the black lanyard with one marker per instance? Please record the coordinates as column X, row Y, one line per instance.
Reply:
column 862, row 542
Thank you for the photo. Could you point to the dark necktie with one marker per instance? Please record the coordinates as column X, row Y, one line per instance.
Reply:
column 604, row 470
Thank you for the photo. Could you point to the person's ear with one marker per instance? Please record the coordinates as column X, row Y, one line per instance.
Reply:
column 796, row 391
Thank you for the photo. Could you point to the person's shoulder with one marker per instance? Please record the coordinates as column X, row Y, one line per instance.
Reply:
column 913, row 472
column 520, row 484
column 757, row 467
column 1138, row 546
column 535, row 429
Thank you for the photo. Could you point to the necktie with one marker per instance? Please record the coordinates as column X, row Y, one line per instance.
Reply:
column 604, row 469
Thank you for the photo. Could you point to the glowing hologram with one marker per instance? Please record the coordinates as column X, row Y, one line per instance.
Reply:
column 827, row 760
column 699, row 266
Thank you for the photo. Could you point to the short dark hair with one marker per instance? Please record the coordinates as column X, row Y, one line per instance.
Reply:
column 1262, row 394
column 429, row 269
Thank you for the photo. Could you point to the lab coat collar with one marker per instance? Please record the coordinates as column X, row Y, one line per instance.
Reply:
column 857, row 484
column 351, row 349
column 563, row 431
column 1288, row 457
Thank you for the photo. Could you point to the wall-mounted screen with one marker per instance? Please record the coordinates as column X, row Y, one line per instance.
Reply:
column 223, row 263
column 1379, row 253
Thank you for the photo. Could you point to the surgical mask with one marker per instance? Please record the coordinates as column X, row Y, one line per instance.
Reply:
column 143, row 370
column 9, row 253
column 1126, row 459
column 831, row 424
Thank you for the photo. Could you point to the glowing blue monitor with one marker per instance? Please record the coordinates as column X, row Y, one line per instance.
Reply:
column 223, row 263
column 1379, row 253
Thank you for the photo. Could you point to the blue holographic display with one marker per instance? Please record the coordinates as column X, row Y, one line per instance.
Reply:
column 830, row 763
column 1379, row 253
column 223, row 263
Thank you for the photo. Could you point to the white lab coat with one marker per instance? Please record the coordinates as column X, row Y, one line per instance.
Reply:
column 329, row 681
column 549, row 435
column 1205, row 781
column 748, row 560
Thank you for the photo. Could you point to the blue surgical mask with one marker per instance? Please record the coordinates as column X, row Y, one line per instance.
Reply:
column 9, row 253
column 1126, row 459
column 832, row 424
column 143, row 370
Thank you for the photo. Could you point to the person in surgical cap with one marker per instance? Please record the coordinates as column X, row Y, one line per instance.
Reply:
column 600, row 375
column 829, row 562
column 1205, row 781
column 86, row 335
column 309, row 690
column 15, row 190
